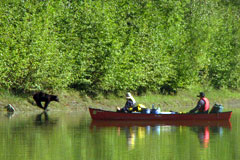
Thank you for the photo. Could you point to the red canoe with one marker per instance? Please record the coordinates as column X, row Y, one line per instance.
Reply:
column 98, row 114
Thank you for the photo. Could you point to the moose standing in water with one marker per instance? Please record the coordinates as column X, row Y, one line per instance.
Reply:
column 43, row 97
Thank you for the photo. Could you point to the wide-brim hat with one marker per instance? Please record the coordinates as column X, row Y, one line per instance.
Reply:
column 201, row 94
column 128, row 95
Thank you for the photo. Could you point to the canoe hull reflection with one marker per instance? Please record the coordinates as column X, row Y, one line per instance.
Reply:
column 130, row 123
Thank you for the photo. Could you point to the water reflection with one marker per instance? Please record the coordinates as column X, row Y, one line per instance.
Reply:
column 42, row 119
column 204, row 133
column 140, row 129
column 131, row 136
column 10, row 115
column 135, row 133
column 75, row 136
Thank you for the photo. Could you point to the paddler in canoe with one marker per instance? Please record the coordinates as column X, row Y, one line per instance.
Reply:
column 129, row 105
column 202, row 105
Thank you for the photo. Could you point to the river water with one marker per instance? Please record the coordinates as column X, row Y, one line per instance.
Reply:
column 74, row 136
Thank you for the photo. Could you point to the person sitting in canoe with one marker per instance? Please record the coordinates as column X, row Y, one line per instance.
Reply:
column 129, row 105
column 202, row 105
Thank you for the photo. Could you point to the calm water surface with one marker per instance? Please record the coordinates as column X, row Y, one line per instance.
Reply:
column 74, row 136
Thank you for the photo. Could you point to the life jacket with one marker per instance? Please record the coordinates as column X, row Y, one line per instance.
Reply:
column 206, row 106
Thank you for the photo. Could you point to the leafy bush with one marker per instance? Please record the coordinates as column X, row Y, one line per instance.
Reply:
column 112, row 46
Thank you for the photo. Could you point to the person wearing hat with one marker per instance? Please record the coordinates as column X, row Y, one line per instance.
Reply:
column 129, row 104
column 202, row 105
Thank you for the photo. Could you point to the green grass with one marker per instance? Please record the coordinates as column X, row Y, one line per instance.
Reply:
column 71, row 100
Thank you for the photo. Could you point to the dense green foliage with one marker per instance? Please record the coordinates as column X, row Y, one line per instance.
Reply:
column 119, row 45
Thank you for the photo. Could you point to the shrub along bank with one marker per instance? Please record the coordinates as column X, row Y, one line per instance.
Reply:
column 115, row 46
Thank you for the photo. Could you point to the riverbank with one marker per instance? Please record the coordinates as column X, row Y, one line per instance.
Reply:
column 71, row 100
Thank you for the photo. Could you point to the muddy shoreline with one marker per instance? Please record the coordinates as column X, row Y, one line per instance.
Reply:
column 72, row 101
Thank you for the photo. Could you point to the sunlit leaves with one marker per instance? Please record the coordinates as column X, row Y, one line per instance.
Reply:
column 110, row 46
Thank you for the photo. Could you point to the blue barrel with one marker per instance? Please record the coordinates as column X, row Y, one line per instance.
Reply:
column 146, row 111
column 155, row 111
